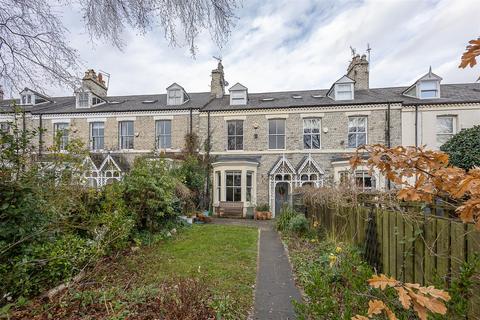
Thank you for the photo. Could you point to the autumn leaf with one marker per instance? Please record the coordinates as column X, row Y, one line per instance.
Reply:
column 375, row 307
column 420, row 310
column 469, row 56
column 382, row 281
column 403, row 297
column 390, row 314
column 436, row 293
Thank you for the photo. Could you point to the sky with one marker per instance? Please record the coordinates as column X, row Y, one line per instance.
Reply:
column 279, row 45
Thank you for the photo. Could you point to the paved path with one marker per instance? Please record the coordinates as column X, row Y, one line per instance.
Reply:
column 275, row 287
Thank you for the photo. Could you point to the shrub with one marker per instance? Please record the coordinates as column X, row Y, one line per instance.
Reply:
column 149, row 194
column 464, row 148
column 286, row 214
column 192, row 174
column 298, row 224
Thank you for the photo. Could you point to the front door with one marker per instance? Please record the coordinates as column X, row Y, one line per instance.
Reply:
column 281, row 196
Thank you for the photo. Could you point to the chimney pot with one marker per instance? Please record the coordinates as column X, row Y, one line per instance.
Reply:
column 94, row 83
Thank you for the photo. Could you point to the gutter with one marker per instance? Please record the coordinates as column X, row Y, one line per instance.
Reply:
column 416, row 125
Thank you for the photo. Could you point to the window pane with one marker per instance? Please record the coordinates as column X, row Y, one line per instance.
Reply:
column 428, row 85
column 445, row 125
column 237, row 179
column 237, row 194
column 280, row 126
column 272, row 142
column 229, row 194
column 316, row 141
column 307, row 141
column 239, row 143
column 352, row 140
column 231, row 128
column 272, row 128
column 280, row 142
column 239, row 127
column 361, row 139
column 231, row 143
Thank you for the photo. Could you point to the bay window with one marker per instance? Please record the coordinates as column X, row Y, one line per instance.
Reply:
column 233, row 185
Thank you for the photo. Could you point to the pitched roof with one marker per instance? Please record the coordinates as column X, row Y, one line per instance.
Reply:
column 154, row 102
column 237, row 86
column 451, row 93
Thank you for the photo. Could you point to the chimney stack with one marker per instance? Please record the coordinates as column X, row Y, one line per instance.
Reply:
column 94, row 83
column 217, row 86
column 1, row 93
column 358, row 71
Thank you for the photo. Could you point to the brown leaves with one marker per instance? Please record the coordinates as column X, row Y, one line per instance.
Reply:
column 423, row 299
column 382, row 281
column 469, row 56
column 424, row 176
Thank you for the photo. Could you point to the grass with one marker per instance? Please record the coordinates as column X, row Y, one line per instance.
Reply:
column 222, row 257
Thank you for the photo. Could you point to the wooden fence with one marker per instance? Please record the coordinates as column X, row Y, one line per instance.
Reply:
column 411, row 247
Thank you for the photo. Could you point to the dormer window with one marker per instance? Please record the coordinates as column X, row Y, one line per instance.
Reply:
column 176, row 95
column 238, row 95
column 429, row 89
column 96, row 100
column 342, row 89
column 83, row 100
column 26, row 99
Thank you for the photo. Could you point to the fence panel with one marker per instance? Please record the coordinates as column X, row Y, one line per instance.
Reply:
column 411, row 247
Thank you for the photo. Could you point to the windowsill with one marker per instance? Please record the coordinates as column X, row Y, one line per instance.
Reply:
column 234, row 151
column 277, row 149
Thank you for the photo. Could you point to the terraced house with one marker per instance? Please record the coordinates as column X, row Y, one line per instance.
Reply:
column 262, row 145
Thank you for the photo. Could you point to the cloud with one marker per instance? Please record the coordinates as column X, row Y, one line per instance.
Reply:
column 292, row 45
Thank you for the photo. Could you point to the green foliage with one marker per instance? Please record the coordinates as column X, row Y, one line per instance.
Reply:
column 149, row 194
column 192, row 174
column 462, row 288
column 286, row 214
column 464, row 148
column 298, row 224
column 263, row 207
column 52, row 226
column 334, row 278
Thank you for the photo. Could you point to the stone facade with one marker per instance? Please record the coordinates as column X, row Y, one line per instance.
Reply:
column 207, row 114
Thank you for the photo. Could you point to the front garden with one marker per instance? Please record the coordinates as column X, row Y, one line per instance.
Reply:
column 199, row 272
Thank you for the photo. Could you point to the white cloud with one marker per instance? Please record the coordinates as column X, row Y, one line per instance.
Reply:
column 290, row 45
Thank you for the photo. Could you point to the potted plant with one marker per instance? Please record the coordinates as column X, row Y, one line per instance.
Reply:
column 262, row 212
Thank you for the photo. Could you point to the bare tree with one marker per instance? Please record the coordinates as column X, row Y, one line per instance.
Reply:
column 34, row 50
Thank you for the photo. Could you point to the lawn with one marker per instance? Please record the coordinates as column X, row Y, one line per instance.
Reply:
column 219, row 261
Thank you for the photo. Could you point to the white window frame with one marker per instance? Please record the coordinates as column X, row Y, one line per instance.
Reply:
column 436, row 90
column 311, row 134
column 64, row 134
column 362, row 174
column 162, row 136
column 454, row 128
column 339, row 91
column 122, row 136
column 175, row 97
column 94, row 138
column 249, row 187
column 356, row 132
column 238, row 97
column 83, row 100
column 233, row 186
column 235, row 135
column 284, row 134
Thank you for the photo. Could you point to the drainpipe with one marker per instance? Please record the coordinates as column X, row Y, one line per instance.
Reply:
column 208, row 162
column 191, row 120
column 40, row 136
column 387, row 137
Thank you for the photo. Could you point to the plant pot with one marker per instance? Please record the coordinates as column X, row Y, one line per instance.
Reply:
column 263, row 215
